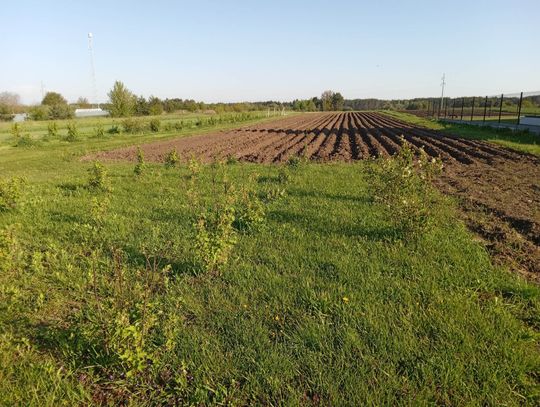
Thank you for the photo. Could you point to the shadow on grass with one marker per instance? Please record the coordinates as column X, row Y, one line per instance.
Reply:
column 302, row 193
column 379, row 233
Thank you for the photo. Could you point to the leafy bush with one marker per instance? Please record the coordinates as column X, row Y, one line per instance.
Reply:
column 10, row 193
column 231, row 160
column 294, row 162
column 284, row 175
column 39, row 113
column 194, row 166
column 249, row 210
column 60, row 111
column 25, row 141
column 99, row 132
column 215, row 236
column 114, row 129
column 141, row 165
column 172, row 159
column 52, row 130
column 132, row 125
column 403, row 185
column 72, row 132
column 155, row 125
column 98, row 177
column 16, row 130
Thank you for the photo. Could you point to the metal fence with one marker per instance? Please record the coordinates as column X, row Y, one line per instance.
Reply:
column 500, row 109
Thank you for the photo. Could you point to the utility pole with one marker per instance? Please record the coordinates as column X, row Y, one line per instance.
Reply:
column 42, row 91
column 442, row 91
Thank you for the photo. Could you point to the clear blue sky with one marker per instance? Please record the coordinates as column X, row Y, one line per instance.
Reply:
column 280, row 50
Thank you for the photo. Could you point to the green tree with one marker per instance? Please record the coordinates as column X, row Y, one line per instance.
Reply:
column 53, row 98
column 327, row 100
column 337, row 101
column 141, row 106
column 122, row 100
column 83, row 103
column 155, row 106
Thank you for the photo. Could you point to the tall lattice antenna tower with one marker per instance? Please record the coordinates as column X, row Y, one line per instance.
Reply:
column 443, row 83
column 94, row 86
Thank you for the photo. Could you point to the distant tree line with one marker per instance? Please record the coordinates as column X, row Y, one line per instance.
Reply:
column 124, row 103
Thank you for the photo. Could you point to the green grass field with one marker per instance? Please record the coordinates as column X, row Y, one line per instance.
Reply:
column 103, row 299
column 520, row 141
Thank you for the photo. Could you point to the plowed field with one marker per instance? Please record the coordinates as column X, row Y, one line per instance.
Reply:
column 499, row 189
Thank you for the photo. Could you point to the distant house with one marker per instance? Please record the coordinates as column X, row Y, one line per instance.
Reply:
column 91, row 112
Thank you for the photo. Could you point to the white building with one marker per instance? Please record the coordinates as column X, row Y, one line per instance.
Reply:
column 91, row 112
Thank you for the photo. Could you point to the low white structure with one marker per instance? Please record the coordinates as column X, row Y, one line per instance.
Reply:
column 530, row 120
column 20, row 117
column 90, row 112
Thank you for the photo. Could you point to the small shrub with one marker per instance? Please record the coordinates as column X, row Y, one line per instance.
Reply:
column 141, row 165
column 25, row 141
column 194, row 166
column 98, row 177
column 231, row 160
column 72, row 132
column 10, row 193
column 155, row 125
column 284, row 175
column 215, row 237
column 16, row 130
column 52, row 130
column 114, row 129
column 403, row 185
column 294, row 162
column 179, row 125
column 132, row 125
column 99, row 132
column 249, row 210
column 172, row 159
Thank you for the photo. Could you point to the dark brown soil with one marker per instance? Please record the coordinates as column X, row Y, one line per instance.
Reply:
column 498, row 189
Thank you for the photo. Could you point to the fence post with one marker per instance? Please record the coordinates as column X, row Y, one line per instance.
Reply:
column 500, row 107
column 462, row 104
column 485, row 108
column 519, row 108
column 453, row 109
column 472, row 110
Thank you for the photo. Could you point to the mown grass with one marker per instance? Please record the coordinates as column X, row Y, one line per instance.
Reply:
column 520, row 140
column 321, row 304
